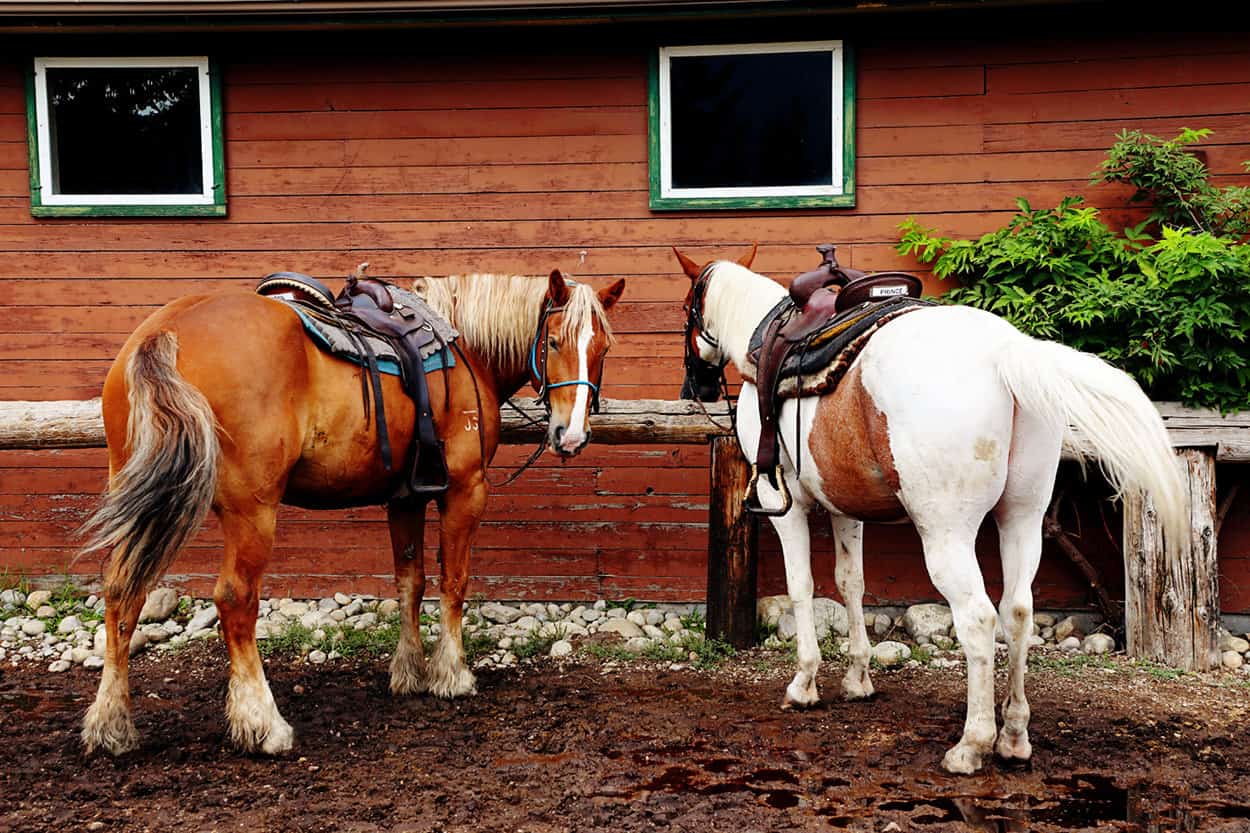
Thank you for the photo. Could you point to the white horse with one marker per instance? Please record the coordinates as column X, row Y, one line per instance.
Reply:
column 947, row 414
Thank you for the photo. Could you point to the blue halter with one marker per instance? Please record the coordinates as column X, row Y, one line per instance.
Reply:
column 540, row 377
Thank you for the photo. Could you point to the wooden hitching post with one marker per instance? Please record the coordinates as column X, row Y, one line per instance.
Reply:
column 732, row 551
column 1172, row 601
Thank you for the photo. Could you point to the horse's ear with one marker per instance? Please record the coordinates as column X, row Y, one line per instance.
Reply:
column 747, row 259
column 609, row 296
column 558, row 289
column 692, row 269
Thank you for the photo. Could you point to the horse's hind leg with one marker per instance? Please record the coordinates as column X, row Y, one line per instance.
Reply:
column 951, row 559
column 462, row 508
column 848, row 538
column 108, row 724
column 1030, row 478
column 255, row 724
column 407, row 522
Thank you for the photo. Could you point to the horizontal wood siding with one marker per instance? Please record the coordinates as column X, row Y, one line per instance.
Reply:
column 521, row 160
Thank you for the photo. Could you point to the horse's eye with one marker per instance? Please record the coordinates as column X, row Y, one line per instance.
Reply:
column 553, row 344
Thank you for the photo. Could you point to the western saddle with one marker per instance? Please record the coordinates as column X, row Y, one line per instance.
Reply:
column 365, row 309
column 818, row 328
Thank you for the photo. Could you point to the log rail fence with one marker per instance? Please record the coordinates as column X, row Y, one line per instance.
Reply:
column 1172, row 595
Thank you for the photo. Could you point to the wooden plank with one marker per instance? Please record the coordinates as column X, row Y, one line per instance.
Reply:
column 873, row 82
column 1098, row 135
column 1096, row 73
column 438, row 95
column 1172, row 607
column 732, row 549
column 482, row 66
column 505, row 150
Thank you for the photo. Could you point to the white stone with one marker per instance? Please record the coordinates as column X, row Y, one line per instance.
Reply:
column 38, row 599
column 326, row 605
column 46, row 612
column 317, row 657
column 1228, row 642
column 787, row 626
column 138, row 641
column 296, row 610
column 1067, row 627
column 637, row 644
column 943, row 643
column 69, row 624
column 891, row 653
column 654, row 632
column 203, row 619
column 768, row 609
column 366, row 621
column 155, row 634
column 600, row 605
column 342, row 598
column 673, row 625
column 831, row 617
column 79, row 655
column 264, row 629
column 1072, row 643
column 624, row 627
column 525, row 624
column 1232, row 660
column 501, row 613
column 1098, row 643
column 1035, row 641
column 33, row 627
column 59, row 666
column 387, row 607
column 12, row 597
column 637, row 617
column 654, row 617
column 925, row 620
column 592, row 615
column 561, row 648
column 160, row 605
column 881, row 624
column 1044, row 620
column 338, row 616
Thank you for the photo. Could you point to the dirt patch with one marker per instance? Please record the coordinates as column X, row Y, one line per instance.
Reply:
column 585, row 748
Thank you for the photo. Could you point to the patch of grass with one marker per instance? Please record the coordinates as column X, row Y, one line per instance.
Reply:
column 67, row 594
column 478, row 643
column 539, row 643
column 371, row 642
column 627, row 604
column 694, row 621
column 1159, row 672
column 711, row 653
column 763, row 630
column 609, row 651
column 291, row 640
column 1070, row 665
column 11, row 580
column 923, row 654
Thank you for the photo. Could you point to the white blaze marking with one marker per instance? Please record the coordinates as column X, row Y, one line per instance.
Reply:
column 575, row 434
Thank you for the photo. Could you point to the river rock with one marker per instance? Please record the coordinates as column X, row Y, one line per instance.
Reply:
column 38, row 599
column 12, row 598
column 317, row 657
column 830, row 616
column 654, row 617
column 1232, row 660
column 33, row 627
column 769, row 609
column 388, row 607
column 326, row 605
column 787, row 626
column 203, row 619
column 925, row 620
column 342, row 599
column 1097, row 643
column 69, row 624
column 1067, row 627
column 673, row 625
column 637, row 617
column 891, row 653
column 592, row 614
column 160, row 605
column 637, row 644
column 881, row 624
column 624, row 627
column 500, row 613
column 93, row 662
column 59, row 666
column 561, row 648
column 46, row 612
column 1228, row 642
column 138, row 641
column 1071, row 643
column 1044, row 620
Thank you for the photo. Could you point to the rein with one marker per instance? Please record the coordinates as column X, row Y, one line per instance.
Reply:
column 695, row 364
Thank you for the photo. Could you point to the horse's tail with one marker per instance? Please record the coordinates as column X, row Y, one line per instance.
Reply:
column 160, row 497
column 1115, row 423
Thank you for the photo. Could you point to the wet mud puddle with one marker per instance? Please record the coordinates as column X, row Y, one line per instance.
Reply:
column 1086, row 801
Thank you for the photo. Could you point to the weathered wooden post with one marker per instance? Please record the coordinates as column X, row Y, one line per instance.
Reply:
column 732, row 551
column 1172, row 600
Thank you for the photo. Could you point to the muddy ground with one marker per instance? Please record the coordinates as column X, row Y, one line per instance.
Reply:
column 583, row 747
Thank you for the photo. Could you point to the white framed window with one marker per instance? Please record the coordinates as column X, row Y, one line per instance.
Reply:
column 126, row 136
column 752, row 125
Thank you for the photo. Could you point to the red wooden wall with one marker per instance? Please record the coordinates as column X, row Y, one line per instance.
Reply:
column 502, row 156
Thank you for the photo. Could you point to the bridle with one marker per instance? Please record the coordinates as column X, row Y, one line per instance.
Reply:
column 538, row 369
column 699, row 371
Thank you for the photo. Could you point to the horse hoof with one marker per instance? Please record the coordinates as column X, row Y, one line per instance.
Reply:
column 116, row 736
column 281, row 738
column 459, row 683
column 800, row 697
column 1014, row 747
column 962, row 759
column 857, row 686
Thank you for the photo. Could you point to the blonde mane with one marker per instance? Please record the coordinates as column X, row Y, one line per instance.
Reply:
column 497, row 315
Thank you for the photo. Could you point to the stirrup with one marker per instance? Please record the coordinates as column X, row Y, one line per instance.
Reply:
column 751, row 501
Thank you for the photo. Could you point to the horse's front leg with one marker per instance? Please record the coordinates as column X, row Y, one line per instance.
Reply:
column 795, row 538
column 255, row 723
column 461, row 511
column 407, row 523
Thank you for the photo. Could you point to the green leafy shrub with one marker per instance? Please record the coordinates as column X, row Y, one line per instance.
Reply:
column 1169, row 304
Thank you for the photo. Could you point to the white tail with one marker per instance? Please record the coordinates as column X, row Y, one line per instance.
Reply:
column 1116, row 424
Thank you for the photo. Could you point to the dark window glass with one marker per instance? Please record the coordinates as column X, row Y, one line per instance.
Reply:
column 751, row 120
column 125, row 130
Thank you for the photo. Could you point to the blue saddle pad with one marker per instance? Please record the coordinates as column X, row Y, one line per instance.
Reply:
column 438, row 360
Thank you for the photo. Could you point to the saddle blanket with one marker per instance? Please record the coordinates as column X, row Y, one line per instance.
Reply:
column 334, row 340
column 817, row 366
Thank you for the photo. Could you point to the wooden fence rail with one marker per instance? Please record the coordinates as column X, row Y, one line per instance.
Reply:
column 1172, row 598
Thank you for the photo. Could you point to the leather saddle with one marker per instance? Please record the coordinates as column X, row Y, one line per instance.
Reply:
column 826, row 311
column 364, row 310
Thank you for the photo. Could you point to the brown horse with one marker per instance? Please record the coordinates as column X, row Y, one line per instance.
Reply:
column 222, row 402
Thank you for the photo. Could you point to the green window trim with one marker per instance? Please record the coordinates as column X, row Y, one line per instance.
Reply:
column 216, row 208
column 845, row 199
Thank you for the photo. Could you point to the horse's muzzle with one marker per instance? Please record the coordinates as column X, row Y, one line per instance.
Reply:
column 566, row 444
column 702, row 383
